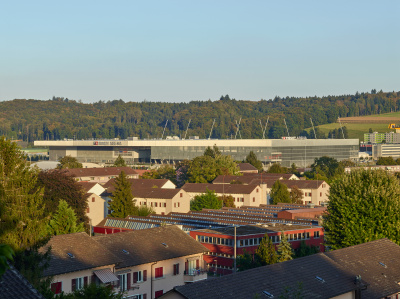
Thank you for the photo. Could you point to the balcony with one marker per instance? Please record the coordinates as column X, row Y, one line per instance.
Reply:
column 194, row 275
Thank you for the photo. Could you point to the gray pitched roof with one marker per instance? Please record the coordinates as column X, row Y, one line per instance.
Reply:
column 337, row 269
column 86, row 251
column 14, row 285
column 146, row 245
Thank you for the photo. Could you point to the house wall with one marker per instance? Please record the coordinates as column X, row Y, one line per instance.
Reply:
column 179, row 204
column 66, row 279
column 96, row 208
column 164, row 283
column 349, row 295
column 103, row 179
column 241, row 199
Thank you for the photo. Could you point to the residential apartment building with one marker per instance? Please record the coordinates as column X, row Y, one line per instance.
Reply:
column 163, row 201
column 368, row 271
column 143, row 264
column 314, row 191
column 244, row 195
column 220, row 242
column 97, row 206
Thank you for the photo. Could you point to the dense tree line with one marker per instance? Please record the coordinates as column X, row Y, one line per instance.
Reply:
column 60, row 118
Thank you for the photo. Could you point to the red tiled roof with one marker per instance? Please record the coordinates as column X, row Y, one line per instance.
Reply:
column 94, row 172
column 156, row 193
column 86, row 186
column 303, row 184
column 219, row 188
column 138, row 184
column 246, row 167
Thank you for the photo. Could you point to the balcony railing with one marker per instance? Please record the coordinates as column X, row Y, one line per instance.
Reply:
column 195, row 275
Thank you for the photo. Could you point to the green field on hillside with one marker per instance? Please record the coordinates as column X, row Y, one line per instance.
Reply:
column 393, row 114
column 357, row 130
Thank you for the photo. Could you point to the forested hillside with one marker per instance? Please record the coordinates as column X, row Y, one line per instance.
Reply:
column 62, row 118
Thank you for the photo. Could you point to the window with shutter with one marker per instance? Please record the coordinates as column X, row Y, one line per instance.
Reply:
column 197, row 264
column 158, row 293
column 177, row 269
column 93, row 199
column 85, row 281
column 56, row 287
column 159, row 272
column 135, row 277
column 128, row 283
column 73, row 285
column 144, row 275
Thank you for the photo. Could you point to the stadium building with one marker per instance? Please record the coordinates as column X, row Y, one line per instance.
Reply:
column 286, row 151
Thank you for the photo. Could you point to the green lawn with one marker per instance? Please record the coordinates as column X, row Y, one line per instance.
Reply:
column 355, row 130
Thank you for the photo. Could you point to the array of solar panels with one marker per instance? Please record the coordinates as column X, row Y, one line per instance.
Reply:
column 208, row 219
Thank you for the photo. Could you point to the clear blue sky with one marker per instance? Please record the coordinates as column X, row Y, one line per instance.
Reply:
column 176, row 51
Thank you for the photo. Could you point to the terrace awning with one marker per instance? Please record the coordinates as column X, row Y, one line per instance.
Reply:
column 105, row 275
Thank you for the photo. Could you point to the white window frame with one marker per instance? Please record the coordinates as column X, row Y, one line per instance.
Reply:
column 123, row 283
column 140, row 276
column 79, row 283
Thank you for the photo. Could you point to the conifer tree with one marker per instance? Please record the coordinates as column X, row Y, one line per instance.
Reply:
column 64, row 221
column 280, row 193
column 119, row 162
column 122, row 203
column 253, row 160
column 265, row 252
column 285, row 251
column 23, row 223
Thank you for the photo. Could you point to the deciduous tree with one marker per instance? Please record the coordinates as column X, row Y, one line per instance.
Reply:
column 208, row 200
column 280, row 193
column 277, row 168
column 364, row 205
column 68, row 162
column 296, row 195
column 58, row 184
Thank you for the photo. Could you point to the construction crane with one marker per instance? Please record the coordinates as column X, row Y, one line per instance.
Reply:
column 393, row 126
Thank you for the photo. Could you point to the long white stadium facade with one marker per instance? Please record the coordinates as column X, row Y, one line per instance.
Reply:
column 302, row 152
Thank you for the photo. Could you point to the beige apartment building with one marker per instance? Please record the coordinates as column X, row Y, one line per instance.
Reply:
column 143, row 263
column 244, row 195
column 97, row 206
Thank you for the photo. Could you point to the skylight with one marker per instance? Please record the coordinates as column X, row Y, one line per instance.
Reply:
column 125, row 251
column 268, row 294
column 165, row 245
column 382, row 264
column 319, row 279
column 71, row 255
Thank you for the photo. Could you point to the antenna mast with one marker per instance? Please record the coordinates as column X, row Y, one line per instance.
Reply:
column 211, row 129
column 315, row 136
column 286, row 128
column 341, row 127
column 162, row 136
column 238, row 125
column 264, row 129
column 187, row 128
